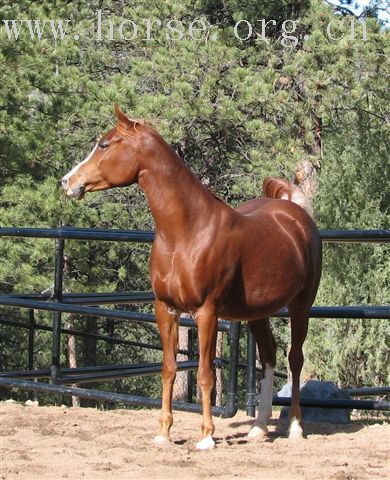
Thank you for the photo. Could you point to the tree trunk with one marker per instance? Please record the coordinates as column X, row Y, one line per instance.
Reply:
column 180, row 387
column 306, row 177
column 218, row 390
column 219, row 372
column 72, row 356
column 70, row 325
column 306, row 172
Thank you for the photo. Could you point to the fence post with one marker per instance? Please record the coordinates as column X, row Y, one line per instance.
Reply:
column 57, row 296
column 231, row 404
column 31, row 334
column 191, row 356
column 31, row 340
column 251, row 376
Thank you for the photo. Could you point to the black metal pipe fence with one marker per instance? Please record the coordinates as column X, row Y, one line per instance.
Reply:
column 87, row 304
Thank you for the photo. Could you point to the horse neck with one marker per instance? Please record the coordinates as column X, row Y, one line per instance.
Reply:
column 180, row 204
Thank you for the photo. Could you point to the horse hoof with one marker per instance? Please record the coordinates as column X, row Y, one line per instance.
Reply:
column 160, row 440
column 206, row 443
column 257, row 432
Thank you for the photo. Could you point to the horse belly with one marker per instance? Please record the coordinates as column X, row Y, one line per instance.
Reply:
column 266, row 283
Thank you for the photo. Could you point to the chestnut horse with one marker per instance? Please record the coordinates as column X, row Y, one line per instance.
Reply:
column 213, row 261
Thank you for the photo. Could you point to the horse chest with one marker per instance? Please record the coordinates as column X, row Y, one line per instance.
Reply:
column 180, row 279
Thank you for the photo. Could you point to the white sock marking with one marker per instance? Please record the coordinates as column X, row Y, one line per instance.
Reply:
column 206, row 443
column 295, row 430
column 265, row 404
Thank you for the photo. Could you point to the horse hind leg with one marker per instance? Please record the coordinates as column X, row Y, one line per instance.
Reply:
column 299, row 326
column 262, row 333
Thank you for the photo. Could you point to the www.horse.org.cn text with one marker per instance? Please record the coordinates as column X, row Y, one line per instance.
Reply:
column 198, row 30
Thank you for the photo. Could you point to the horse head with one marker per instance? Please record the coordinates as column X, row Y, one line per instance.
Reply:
column 113, row 162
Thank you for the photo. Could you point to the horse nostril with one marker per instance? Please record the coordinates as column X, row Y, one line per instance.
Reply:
column 64, row 182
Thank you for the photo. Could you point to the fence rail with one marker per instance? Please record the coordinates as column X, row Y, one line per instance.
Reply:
column 89, row 305
column 72, row 233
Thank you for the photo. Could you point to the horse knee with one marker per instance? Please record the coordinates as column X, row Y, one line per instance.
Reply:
column 205, row 377
column 169, row 372
column 295, row 358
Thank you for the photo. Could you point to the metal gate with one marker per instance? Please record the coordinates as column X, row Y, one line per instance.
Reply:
column 88, row 305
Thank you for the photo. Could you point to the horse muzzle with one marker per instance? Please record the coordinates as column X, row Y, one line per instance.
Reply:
column 77, row 193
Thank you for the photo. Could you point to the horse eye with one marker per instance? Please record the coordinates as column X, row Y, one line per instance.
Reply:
column 103, row 145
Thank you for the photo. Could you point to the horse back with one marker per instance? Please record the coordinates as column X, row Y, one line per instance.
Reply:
column 277, row 223
column 280, row 256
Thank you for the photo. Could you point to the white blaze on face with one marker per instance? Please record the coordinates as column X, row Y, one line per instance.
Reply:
column 75, row 169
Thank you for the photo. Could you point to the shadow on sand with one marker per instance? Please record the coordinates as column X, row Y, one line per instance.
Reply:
column 278, row 430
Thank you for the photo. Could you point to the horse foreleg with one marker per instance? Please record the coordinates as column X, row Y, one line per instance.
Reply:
column 207, row 332
column 299, row 326
column 262, row 333
column 167, row 322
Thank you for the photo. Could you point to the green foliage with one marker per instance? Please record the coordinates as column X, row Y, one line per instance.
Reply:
column 356, row 351
column 237, row 111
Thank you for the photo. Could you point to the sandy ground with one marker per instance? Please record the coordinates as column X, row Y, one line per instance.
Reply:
column 54, row 443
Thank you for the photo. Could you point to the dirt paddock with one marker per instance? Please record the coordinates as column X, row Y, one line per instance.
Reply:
column 54, row 443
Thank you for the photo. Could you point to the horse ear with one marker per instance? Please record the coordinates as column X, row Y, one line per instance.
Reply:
column 124, row 119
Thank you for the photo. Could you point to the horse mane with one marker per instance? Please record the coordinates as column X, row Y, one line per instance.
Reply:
column 125, row 130
column 215, row 195
column 285, row 190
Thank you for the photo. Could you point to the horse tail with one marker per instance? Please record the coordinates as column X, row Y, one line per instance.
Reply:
column 285, row 190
